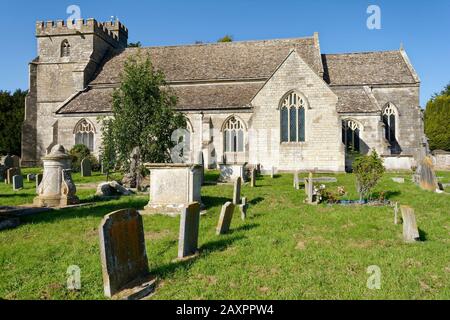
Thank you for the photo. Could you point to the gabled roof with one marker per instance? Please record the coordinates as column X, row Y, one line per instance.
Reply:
column 367, row 68
column 215, row 61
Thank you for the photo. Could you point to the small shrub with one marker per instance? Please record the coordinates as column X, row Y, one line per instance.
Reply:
column 368, row 170
column 78, row 153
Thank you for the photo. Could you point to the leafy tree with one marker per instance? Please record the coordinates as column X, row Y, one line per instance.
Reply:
column 12, row 108
column 135, row 44
column 108, row 153
column 368, row 170
column 437, row 120
column 226, row 38
column 143, row 115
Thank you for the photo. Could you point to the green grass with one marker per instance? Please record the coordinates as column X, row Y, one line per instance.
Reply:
column 284, row 250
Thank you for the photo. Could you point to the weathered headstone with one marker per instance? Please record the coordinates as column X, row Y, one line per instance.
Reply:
column 272, row 172
column 226, row 214
column 237, row 191
column 189, row 226
column 126, row 274
column 396, row 213
column 86, row 167
column 296, row 181
column 38, row 181
column 243, row 208
column 309, row 188
column 17, row 183
column 253, row 178
column 31, row 177
column 199, row 161
column 426, row 176
column 410, row 231
column 2, row 172
column 398, row 180
column 10, row 173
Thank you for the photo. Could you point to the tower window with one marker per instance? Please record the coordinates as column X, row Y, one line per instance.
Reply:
column 65, row 48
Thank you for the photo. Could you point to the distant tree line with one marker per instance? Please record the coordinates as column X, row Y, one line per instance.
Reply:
column 437, row 120
column 12, row 108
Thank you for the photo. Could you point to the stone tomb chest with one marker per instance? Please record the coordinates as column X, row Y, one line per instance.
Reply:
column 173, row 186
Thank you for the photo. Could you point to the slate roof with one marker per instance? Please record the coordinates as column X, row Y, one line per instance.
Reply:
column 354, row 99
column 367, row 68
column 216, row 61
column 228, row 75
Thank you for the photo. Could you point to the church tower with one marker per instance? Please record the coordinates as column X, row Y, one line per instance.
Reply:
column 69, row 54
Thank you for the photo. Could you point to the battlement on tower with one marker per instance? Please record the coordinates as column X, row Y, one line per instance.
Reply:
column 113, row 32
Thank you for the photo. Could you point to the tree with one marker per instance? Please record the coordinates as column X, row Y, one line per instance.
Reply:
column 108, row 153
column 143, row 116
column 226, row 38
column 135, row 45
column 437, row 120
column 368, row 170
column 12, row 108
column 80, row 152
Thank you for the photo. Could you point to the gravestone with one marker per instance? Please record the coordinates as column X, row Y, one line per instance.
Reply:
column 86, row 168
column 189, row 226
column 296, row 181
column 243, row 208
column 396, row 213
column 31, row 177
column 126, row 274
column 272, row 172
column 398, row 180
column 2, row 172
column 10, row 173
column 309, row 188
column 237, row 191
column 199, row 161
column 410, row 231
column 226, row 214
column 426, row 176
column 253, row 178
column 38, row 181
column 17, row 183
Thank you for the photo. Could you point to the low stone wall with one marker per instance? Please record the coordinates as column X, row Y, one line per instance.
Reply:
column 441, row 160
column 399, row 162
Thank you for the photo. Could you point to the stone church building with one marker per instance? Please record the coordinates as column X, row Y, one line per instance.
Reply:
column 282, row 104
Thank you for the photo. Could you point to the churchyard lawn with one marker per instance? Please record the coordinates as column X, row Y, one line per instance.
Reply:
column 284, row 250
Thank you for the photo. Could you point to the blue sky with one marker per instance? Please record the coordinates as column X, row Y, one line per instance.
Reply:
column 422, row 26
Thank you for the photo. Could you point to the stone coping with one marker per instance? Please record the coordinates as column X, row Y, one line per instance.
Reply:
column 396, row 156
column 171, row 165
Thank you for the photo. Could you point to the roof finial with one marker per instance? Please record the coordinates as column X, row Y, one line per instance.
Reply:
column 401, row 46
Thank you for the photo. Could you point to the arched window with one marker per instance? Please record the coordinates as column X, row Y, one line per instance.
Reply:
column 65, row 48
column 292, row 118
column 84, row 134
column 233, row 135
column 350, row 135
column 389, row 120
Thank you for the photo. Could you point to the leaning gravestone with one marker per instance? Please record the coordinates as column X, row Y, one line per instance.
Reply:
column 426, row 176
column 86, row 167
column 237, row 191
column 226, row 214
column 126, row 274
column 296, row 181
column 17, row 183
column 189, row 225
column 200, row 162
column 410, row 231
